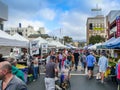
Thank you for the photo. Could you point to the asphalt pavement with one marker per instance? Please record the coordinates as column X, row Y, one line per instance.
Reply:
column 79, row 81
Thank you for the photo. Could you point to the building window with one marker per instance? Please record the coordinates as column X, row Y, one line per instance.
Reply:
column 20, row 33
column 91, row 26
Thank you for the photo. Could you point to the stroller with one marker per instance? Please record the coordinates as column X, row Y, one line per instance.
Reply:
column 64, row 78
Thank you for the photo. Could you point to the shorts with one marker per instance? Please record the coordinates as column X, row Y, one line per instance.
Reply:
column 50, row 83
column 102, row 71
column 90, row 68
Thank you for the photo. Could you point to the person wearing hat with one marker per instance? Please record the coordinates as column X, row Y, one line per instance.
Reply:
column 103, row 64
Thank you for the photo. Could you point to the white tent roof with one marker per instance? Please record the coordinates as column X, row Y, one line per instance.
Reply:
column 19, row 37
column 56, row 44
column 5, row 35
column 60, row 44
column 52, row 43
column 41, row 40
column 8, row 40
column 70, row 46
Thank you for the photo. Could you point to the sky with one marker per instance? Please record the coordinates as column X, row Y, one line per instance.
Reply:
column 59, row 17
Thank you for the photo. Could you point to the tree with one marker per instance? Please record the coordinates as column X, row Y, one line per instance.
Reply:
column 67, row 39
column 96, row 39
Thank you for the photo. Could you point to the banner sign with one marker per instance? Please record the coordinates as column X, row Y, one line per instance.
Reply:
column 118, row 26
column 98, row 28
column 34, row 47
column 44, row 47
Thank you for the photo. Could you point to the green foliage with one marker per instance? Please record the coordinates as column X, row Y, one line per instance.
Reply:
column 67, row 39
column 112, row 64
column 96, row 39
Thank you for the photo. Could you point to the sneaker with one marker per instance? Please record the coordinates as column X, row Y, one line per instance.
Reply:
column 102, row 82
column 88, row 77
column 34, row 80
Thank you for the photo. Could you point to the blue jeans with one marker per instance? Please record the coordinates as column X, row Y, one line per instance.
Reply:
column 60, row 63
column 35, row 72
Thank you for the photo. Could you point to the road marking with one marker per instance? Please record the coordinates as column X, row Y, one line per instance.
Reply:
column 75, row 74
column 72, row 74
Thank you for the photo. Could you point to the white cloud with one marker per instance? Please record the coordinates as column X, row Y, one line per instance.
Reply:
column 105, row 5
column 47, row 30
column 35, row 24
column 47, row 13
column 23, row 18
column 73, row 24
column 25, row 23
column 109, row 5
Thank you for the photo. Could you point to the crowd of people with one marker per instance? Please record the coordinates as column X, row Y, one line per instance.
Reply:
column 71, row 59
column 66, row 59
column 62, row 62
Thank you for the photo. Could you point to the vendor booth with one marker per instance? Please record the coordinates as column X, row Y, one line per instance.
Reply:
column 7, row 42
column 114, row 44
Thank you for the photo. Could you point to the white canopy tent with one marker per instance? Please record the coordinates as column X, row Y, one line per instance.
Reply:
column 60, row 45
column 52, row 44
column 24, row 41
column 56, row 44
column 70, row 46
column 8, row 40
column 40, row 40
column 19, row 37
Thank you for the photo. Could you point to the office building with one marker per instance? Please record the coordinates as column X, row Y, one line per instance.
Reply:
column 96, row 26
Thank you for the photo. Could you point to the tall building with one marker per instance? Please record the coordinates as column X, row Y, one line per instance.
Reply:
column 3, row 14
column 113, row 23
column 41, row 30
column 96, row 26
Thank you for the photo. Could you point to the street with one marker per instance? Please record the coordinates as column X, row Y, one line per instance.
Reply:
column 78, row 82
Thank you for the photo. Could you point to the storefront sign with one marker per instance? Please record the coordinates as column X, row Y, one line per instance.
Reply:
column 118, row 26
